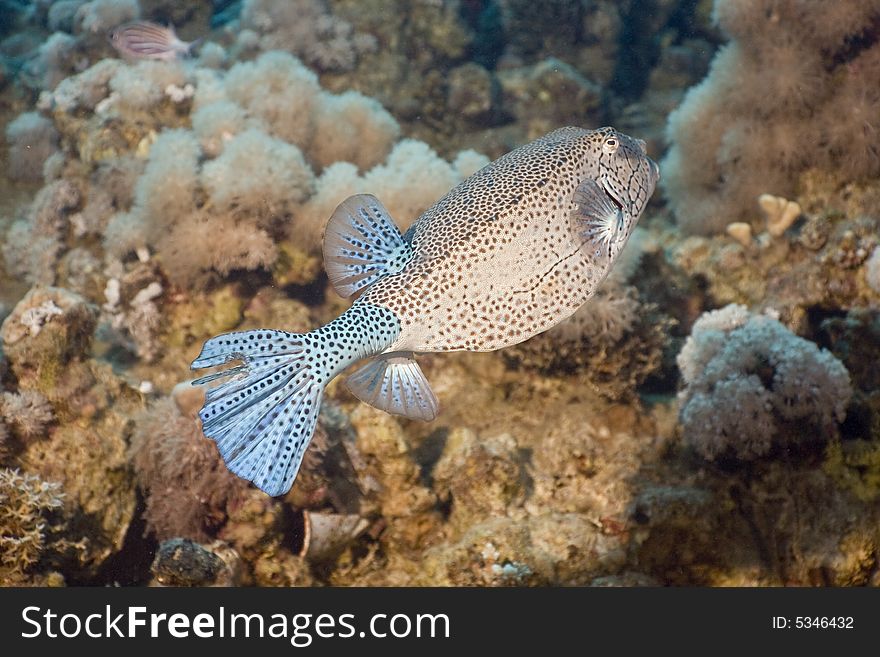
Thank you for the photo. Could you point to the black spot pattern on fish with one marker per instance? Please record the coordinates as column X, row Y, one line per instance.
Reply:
column 496, row 261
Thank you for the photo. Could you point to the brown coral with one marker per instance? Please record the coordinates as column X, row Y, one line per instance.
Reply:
column 790, row 72
column 187, row 486
column 46, row 338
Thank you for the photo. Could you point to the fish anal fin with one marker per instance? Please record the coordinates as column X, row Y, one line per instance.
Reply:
column 362, row 244
column 394, row 383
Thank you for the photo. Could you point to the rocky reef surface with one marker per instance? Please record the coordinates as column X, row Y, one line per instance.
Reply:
column 711, row 417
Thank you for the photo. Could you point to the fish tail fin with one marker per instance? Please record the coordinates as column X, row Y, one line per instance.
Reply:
column 192, row 46
column 263, row 415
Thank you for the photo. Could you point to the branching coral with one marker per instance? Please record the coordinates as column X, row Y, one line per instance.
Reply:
column 772, row 105
column 751, row 384
column 25, row 504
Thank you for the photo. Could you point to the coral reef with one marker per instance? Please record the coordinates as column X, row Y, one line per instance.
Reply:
column 49, row 329
column 35, row 242
column 26, row 505
column 750, row 385
column 789, row 72
column 146, row 206
column 47, row 340
column 812, row 266
column 32, row 140
column 269, row 117
column 308, row 28
column 27, row 413
column 186, row 486
column 613, row 343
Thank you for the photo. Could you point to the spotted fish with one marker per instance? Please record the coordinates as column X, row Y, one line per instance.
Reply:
column 511, row 251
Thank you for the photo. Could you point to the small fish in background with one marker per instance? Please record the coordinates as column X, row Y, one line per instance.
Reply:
column 510, row 252
column 146, row 40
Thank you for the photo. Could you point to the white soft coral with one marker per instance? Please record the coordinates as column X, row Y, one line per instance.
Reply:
column 747, row 377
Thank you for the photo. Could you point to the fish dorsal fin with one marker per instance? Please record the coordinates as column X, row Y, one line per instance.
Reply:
column 597, row 220
column 395, row 384
column 362, row 244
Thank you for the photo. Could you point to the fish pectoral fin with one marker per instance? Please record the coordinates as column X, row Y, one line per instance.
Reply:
column 597, row 219
column 395, row 384
column 362, row 244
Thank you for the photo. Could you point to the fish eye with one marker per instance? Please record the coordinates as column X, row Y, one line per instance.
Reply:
column 610, row 145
